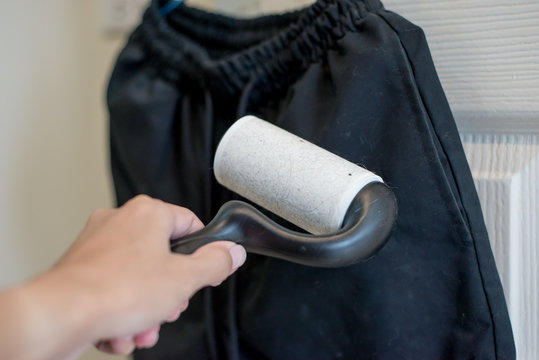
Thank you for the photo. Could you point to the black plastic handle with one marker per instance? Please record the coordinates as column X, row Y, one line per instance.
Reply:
column 367, row 226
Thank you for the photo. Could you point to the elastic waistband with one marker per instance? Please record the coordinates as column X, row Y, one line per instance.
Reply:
column 226, row 53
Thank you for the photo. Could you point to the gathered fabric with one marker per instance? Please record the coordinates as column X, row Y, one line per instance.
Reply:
column 357, row 80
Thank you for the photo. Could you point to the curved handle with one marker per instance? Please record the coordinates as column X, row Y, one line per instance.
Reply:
column 367, row 226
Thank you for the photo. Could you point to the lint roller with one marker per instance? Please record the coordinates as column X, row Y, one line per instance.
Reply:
column 348, row 211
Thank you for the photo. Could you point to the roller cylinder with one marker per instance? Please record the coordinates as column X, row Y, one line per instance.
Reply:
column 287, row 175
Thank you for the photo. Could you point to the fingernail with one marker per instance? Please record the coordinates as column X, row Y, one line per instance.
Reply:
column 152, row 342
column 148, row 338
column 239, row 255
column 184, row 305
column 149, row 342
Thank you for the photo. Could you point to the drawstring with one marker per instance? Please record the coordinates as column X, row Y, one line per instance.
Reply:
column 208, row 149
column 246, row 95
column 208, row 192
column 233, row 348
column 233, row 341
column 209, row 317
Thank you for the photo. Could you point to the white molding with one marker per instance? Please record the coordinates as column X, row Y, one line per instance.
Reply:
column 508, row 122
column 505, row 168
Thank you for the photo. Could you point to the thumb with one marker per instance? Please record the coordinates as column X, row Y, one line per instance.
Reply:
column 213, row 263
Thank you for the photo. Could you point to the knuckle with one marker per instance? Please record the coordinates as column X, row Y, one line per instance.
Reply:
column 213, row 263
column 97, row 214
column 189, row 212
column 142, row 205
column 194, row 222
column 139, row 199
column 220, row 262
column 225, row 256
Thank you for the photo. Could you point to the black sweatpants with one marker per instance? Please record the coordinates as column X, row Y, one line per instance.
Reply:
column 358, row 81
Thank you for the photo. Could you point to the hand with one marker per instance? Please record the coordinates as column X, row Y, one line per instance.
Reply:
column 119, row 280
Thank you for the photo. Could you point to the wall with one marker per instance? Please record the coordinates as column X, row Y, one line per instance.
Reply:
column 486, row 55
column 53, row 136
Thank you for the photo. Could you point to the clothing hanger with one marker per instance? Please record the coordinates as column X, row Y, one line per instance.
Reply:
column 170, row 6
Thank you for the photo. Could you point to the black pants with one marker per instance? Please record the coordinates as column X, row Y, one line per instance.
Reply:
column 359, row 81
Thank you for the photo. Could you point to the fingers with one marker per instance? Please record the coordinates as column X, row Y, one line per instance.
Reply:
column 148, row 338
column 213, row 263
column 239, row 255
column 126, row 344
column 119, row 346
column 183, row 221
column 145, row 219
column 179, row 220
column 98, row 216
column 176, row 314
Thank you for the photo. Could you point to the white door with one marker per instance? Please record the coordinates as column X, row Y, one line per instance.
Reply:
column 487, row 57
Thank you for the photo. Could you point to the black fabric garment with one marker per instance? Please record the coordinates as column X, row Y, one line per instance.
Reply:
column 359, row 81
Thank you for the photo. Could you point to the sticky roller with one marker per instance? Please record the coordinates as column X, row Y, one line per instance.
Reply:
column 348, row 211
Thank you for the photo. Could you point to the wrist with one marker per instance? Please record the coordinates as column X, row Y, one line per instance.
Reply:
column 59, row 314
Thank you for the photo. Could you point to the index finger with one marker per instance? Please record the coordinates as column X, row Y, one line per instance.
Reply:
column 182, row 221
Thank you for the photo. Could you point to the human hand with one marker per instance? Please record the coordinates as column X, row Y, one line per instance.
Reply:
column 119, row 280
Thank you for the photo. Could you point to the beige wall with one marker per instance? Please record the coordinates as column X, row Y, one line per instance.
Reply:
column 53, row 138
column 53, row 147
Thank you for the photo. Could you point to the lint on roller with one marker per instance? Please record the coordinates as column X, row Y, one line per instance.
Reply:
column 347, row 210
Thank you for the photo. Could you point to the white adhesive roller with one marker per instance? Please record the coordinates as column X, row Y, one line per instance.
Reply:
column 289, row 176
